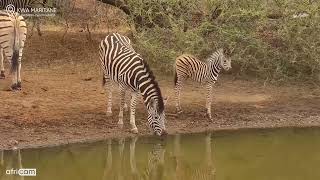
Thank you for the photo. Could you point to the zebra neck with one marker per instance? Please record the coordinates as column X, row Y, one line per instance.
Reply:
column 150, row 91
column 214, row 67
column 150, row 94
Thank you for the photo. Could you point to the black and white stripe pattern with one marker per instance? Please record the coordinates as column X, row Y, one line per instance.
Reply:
column 122, row 65
column 188, row 66
column 13, row 32
column 18, row 4
column 108, row 85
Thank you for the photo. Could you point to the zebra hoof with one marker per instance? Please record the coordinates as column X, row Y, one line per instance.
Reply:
column 16, row 87
column 109, row 114
column 134, row 130
column 2, row 75
column 120, row 125
column 209, row 117
column 125, row 107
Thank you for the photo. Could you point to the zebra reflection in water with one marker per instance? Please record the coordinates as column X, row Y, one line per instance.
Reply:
column 205, row 172
column 12, row 162
column 154, row 167
column 109, row 171
column 131, row 164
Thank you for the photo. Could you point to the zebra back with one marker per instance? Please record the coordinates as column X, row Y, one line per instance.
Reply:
column 13, row 32
column 208, row 71
column 124, row 40
column 188, row 66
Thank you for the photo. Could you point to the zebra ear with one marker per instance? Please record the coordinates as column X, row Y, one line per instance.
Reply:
column 165, row 100
column 226, row 51
column 231, row 50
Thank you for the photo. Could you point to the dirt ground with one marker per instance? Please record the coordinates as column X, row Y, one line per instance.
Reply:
column 63, row 100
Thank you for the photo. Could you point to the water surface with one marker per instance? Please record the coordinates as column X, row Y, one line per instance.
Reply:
column 280, row 154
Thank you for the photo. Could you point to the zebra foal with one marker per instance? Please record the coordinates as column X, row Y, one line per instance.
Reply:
column 122, row 65
column 188, row 66
column 13, row 33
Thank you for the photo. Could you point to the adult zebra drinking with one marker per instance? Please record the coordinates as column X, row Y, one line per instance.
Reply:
column 188, row 66
column 122, row 65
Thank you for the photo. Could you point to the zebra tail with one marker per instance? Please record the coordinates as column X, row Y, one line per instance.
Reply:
column 14, row 61
column 16, row 46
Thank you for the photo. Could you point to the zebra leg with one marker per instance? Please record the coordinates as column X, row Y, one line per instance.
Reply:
column 16, row 79
column 208, row 148
column 133, row 165
column 121, row 157
column 177, row 89
column 133, row 103
column 14, row 85
column 109, row 154
column 125, row 107
column 209, row 157
column 177, row 154
column 37, row 21
column 2, row 76
column 108, row 166
column 19, row 76
column 208, row 101
column 122, row 93
column 32, row 28
column 108, row 87
column 121, row 146
column 20, row 159
column 1, row 157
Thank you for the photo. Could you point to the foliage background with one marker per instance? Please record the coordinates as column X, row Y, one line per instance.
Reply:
column 270, row 43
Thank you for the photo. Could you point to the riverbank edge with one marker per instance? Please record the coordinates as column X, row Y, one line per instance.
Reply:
column 91, row 140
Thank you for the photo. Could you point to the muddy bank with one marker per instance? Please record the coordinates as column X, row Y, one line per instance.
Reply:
column 73, row 109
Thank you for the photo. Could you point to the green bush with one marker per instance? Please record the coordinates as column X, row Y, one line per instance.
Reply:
column 268, row 42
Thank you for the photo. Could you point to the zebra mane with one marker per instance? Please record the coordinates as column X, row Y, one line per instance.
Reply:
column 153, row 81
column 214, row 56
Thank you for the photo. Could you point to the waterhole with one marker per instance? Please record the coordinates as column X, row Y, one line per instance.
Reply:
column 278, row 154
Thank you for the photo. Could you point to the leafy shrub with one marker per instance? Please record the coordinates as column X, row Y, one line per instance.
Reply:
column 270, row 42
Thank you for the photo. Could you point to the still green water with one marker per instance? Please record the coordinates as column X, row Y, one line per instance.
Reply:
column 279, row 154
